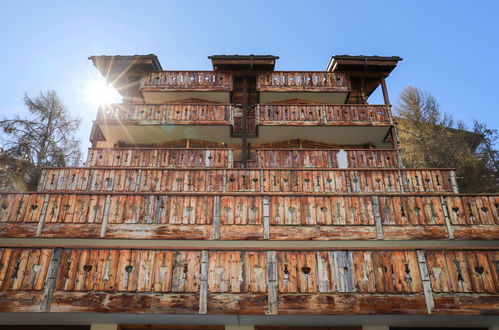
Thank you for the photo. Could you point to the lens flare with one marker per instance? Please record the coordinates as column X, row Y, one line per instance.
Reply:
column 99, row 93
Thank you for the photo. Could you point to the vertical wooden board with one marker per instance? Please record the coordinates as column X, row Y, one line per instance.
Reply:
column 490, row 275
column 363, row 271
column 306, row 272
column 53, row 208
column 79, row 279
column 476, row 272
column 62, row 271
column 19, row 270
column 81, row 208
column 31, row 271
column 447, row 258
column 494, row 208
column 117, row 208
column 6, row 206
column 227, row 214
column 399, row 274
column 163, row 270
column 254, row 271
column 387, row 268
column 11, row 260
column 465, row 276
column 44, row 261
column 101, row 269
column 324, row 279
column 438, row 271
column 415, row 284
column 133, row 275
column 122, row 269
column 90, row 270
column 72, row 270
column 485, row 210
column 287, row 272
column 33, row 208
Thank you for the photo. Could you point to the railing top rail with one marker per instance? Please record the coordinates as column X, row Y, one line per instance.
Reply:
column 161, row 104
column 160, row 247
column 253, row 193
column 161, row 148
column 317, row 149
column 252, row 169
column 322, row 105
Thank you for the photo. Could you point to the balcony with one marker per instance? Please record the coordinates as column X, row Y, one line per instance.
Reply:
column 176, row 114
column 159, row 157
column 236, row 216
column 251, row 282
column 340, row 124
column 153, row 123
column 324, row 87
column 292, row 81
column 165, row 86
column 106, row 179
column 317, row 115
column 325, row 158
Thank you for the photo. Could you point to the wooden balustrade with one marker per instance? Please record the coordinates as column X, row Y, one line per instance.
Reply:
column 299, row 81
column 159, row 157
column 325, row 158
column 179, row 114
column 244, row 180
column 187, row 81
column 306, row 114
column 364, row 281
column 232, row 217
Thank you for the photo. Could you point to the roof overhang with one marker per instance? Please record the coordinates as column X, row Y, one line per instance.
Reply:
column 382, row 65
column 123, row 71
column 243, row 62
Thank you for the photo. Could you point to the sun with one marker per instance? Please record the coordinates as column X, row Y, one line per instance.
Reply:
column 99, row 93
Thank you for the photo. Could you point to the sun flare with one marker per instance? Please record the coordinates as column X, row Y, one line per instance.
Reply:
column 99, row 93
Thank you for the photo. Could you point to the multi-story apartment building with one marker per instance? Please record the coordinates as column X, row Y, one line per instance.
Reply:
column 248, row 198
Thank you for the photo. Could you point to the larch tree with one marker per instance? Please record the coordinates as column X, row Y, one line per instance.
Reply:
column 430, row 138
column 45, row 137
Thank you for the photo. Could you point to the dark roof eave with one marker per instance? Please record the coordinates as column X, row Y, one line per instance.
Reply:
column 228, row 57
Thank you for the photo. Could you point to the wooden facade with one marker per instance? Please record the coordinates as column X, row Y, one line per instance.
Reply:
column 210, row 159
column 276, row 282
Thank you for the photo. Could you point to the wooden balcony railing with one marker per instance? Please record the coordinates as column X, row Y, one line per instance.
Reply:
column 178, row 81
column 260, row 216
column 325, row 158
column 159, row 157
column 180, row 114
column 242, row 180
column 299, row 81
column 341, row 114
column 388, row 281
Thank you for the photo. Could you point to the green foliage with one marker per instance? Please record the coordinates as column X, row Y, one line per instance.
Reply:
column 46, row 137
column 429, row 138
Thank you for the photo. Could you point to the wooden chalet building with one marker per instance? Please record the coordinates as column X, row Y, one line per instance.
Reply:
column 247, row 198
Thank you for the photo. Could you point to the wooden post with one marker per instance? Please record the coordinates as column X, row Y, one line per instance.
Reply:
column 244, row 124
column 41, row 220
column 272, row 282
column 105, row 216
column 203, row 285
column 377, row 217
column 450, row 232
column 50, row 280
column 266, row 217
column 217, row 212
column 425, row 278
column 385, row 91
column 453, row 181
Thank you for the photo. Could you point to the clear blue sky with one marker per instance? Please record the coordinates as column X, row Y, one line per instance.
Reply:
column 450, row 48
